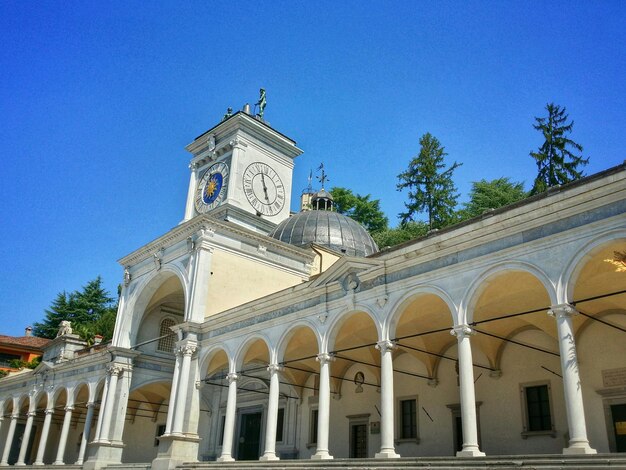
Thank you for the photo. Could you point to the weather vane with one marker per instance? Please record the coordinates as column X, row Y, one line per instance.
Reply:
column 323, row 178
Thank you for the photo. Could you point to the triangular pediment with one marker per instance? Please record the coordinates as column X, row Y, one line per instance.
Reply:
column 343, row 267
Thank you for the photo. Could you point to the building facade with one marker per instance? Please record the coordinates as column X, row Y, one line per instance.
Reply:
column 244, row 333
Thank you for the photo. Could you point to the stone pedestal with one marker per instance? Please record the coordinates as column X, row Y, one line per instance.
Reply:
column 174, row 450
column 102, row 454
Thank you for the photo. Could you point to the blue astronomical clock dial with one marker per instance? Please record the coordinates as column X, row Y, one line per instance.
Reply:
column 212, row 187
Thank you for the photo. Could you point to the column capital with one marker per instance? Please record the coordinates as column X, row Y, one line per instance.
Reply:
column 274, row 368
column 187, row 349
column 325, row 358
column 31, row 414
column 385, row 345
column 232, row 377
column 91, row 404
column 49, row 411
column 562, row 311
column 69, row 408
column 114, row 369
column 15, row 415
column 461, row 331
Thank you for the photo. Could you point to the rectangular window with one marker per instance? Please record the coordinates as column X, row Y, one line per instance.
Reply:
column 538, row 408
column 280, row 424
column 408, row 419
column 313, row 427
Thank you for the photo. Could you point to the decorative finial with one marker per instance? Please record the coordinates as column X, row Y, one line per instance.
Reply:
column 323, row 178
column 261, row 103
column 229, row 113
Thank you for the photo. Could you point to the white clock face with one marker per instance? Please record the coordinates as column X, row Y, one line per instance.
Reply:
column 212, row 187
column 264, row 189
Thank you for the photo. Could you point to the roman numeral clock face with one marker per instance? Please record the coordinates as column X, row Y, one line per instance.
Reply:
column 212, row 187
column 264, row 189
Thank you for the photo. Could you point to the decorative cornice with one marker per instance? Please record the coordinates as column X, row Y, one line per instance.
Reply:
column 207, row 227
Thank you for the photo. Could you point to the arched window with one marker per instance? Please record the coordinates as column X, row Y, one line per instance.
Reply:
column 167, row 336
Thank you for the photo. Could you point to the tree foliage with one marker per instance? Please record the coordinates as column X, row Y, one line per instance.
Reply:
column 360, row 208
column 403, row 233
column 430, row 185
column 486, row 195
column 91, row 310
column 558, row 159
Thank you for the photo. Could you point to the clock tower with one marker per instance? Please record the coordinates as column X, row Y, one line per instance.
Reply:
column 241, row 171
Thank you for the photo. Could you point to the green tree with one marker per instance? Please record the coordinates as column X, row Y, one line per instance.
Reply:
column 556, row 163
column 91, row 310
column 360, row 208
column 403, row 233
column 486, row 195
column 431, row 189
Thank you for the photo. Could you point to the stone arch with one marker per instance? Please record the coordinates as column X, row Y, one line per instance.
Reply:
column 329, row 340
column 215, row 358
column 494, row 299
column 136, row 306
column 429, row 306
column 251, row 350
column 476, row 288
column 573, row 269
column 297, row 350
column 358, row 331
column 290, row 333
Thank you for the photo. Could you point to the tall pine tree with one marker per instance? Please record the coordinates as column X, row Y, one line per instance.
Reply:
column 558, row 160
column 91, row 310
column 431, row 189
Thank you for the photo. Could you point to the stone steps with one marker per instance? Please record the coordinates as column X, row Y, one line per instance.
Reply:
column 525, row 462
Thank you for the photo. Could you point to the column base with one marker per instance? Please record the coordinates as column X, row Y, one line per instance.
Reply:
column 322, row 455
column 174, row 450
column 387, row 454
column 470, row 453
column 268, row 457
column 102, row 454
column 225, row 458
column 579, row 448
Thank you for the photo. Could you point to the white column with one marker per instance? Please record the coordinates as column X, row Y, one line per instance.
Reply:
column 103, row 398
column 86, row 431
column 43, row 440
column 272, row 414
column 171, row 409
column 578, row 442
column 229, row 423
column 64, row 433
column 193, row 183
column 25, row 438
column 387, row 448
column 9, row 440
column 114, row 372
column 183, row 384
column 467, row 394
column 323, row 408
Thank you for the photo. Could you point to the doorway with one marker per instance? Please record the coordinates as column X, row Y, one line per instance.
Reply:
column 358, row 441
column 249, row 446
column 618, row 416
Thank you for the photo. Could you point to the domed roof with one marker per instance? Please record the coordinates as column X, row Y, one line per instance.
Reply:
column 326, row 228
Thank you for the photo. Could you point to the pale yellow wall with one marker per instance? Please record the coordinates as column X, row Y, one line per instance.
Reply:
column 324, row 259
column 236, row 280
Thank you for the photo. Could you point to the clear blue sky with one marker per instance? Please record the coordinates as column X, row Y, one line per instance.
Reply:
column 98, row 100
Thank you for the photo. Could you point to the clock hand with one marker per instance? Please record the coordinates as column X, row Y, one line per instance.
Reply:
column 265, row 188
